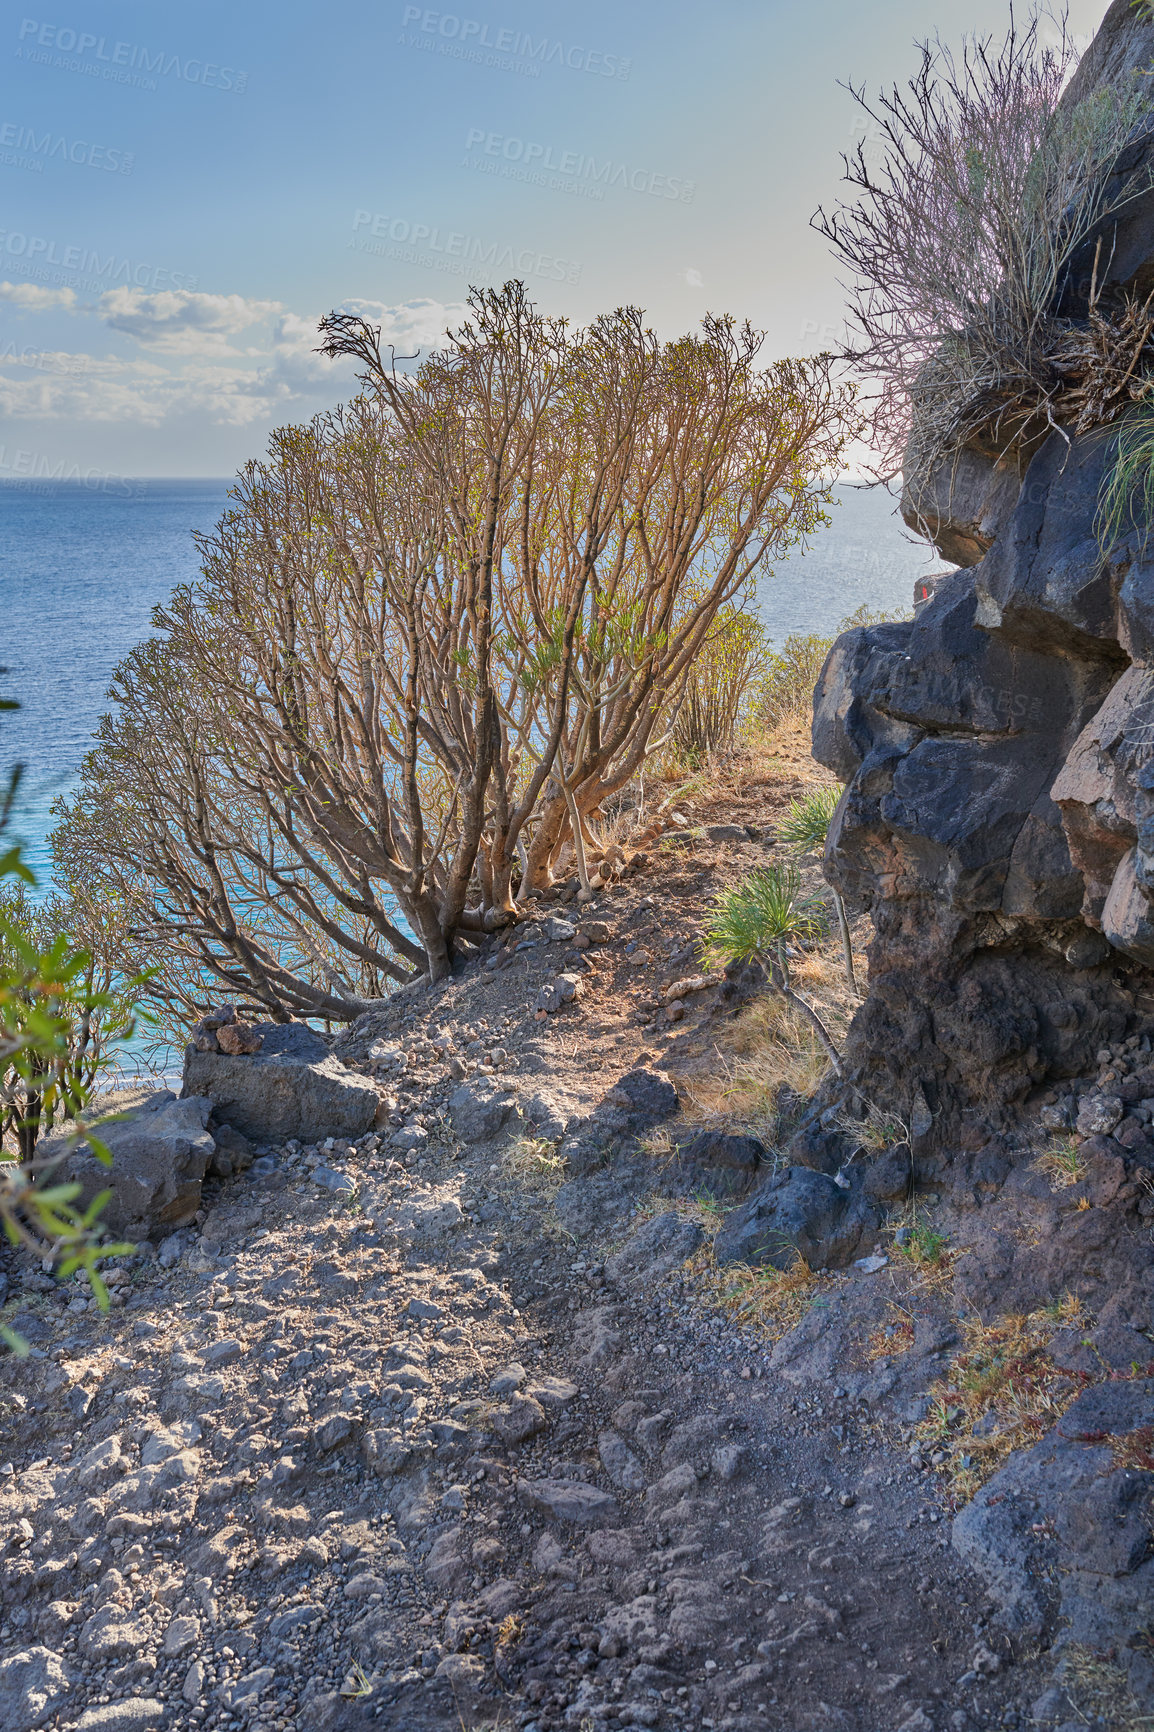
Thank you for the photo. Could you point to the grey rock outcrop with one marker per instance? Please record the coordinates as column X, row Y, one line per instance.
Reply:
column 481, row 1110
column 1060, row 1534
column 962, row 503
column 798, row 1213
column 160, row 1153
column 291, row 1087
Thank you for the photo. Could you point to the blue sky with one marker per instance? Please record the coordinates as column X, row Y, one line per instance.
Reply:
column 187, row 190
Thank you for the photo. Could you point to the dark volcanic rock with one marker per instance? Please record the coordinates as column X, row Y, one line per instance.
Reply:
column 160, row 1152
column 996, row 748
column 722, row 1163
column 799, row 1212
column 291, row 1087
column 646, row 1099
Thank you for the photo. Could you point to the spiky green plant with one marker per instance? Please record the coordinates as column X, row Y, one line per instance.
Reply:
column 757, row 920
column 805, row 827
column 807, row 820
column 1127, row 498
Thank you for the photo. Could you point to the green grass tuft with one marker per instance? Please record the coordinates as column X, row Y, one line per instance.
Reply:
column 1127, row 498
column 807, row 820
column 766, row 910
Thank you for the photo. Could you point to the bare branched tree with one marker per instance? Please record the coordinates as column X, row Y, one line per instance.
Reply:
column 435, row 629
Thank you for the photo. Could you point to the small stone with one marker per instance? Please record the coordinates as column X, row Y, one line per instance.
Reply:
column 409, row 1137
column 135, row 1714
column 567, row 1500
column 239, row 1039
column 223, row 1352
column 333, row 1432
column 554, row 1392
column 181, row 1635
column 557, row 992
column 1098, row 1115
column 522, row 1419
column 620, row 1463
column 329, row 1179
column 508, row 1380
column 193, row 1687
column 426, row 1309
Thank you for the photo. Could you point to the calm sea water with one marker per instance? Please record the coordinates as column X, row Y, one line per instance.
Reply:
column 81, row 571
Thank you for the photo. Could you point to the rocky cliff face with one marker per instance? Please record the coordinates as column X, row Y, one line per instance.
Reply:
column 999, row 754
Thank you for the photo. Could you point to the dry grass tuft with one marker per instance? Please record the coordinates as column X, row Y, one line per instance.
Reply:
column 893, row 1337
column 534, row 1164
column 770, row 1302
column 772, row 1062
column 1002, row 1392
column 1062, row 1163
column 1100, row 1693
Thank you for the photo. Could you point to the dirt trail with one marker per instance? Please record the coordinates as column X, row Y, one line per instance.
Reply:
column 467, row 1440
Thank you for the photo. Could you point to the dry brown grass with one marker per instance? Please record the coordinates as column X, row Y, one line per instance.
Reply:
column 768, row 1049
column 1100, row 1693
column 1003, row 1378
column 1062, row 1163
column 770, row 1302
column 893, row 1337
column 767, row 1301
column 533, row 1164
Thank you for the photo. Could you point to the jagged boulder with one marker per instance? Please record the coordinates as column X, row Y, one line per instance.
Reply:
column 995, row 752
column 962, row 502
column 291, row 1087
column 480, row 1110
column 160, row 1151
column 799, row 1212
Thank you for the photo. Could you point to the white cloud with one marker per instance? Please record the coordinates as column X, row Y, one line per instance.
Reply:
column 417, row 324
column 181, row 321
column 34, row 299
column 188, row 374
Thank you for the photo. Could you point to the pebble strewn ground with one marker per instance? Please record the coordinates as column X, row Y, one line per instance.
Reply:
column 383, row 1442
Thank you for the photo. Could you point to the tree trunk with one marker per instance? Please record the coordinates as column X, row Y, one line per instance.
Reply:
column 846, row 942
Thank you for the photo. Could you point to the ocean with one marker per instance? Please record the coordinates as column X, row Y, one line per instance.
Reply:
column 81, row 570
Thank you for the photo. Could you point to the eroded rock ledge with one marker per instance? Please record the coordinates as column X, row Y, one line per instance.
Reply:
column 998, row 821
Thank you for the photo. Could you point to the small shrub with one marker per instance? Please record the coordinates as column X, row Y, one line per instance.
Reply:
column 785, row 693
column 921, row 1245
column 535, row 1163
column 806, row 822
column 961, row 237
column 758, row 920
column 729, row 663
column 47, row 995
